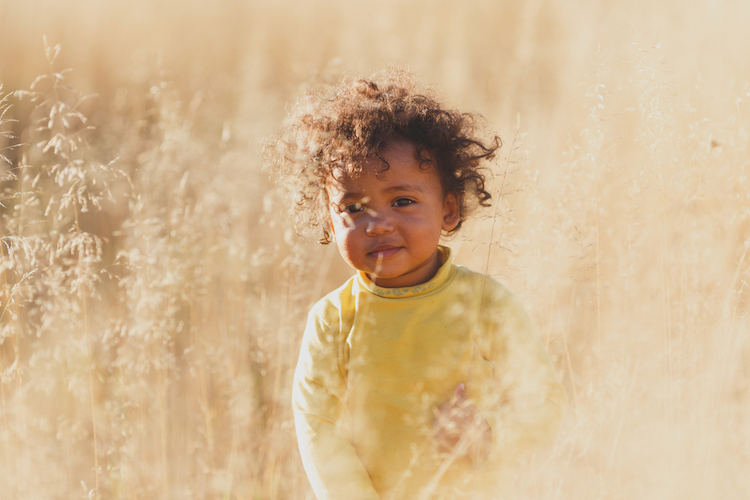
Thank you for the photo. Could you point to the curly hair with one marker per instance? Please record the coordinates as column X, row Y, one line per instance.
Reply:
column 334, row 129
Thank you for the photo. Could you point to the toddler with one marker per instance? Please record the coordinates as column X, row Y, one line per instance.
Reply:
column 416, row 378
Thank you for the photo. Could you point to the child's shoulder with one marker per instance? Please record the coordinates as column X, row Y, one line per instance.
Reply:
column 483, row 284
column 335, row 302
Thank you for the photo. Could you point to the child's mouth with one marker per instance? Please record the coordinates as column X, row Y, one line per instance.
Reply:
column 383, row 252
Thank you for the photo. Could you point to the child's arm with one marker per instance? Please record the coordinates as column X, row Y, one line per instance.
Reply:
column 458, row 419
column 320, row 414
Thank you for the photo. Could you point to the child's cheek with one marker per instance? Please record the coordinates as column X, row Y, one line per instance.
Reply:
column 350, row 249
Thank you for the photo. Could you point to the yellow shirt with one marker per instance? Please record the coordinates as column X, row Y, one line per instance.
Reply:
column 375, row 364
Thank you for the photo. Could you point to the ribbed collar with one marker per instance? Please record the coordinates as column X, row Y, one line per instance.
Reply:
column 437, row 281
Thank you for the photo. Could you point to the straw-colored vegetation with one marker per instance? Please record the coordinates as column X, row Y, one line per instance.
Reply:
column 152, row 295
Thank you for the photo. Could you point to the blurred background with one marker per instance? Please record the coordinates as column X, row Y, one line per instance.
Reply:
column 153, row 294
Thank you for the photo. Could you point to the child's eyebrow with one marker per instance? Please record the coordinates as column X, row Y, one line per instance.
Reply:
column 351, row 195
column 356, row 195
column 406, row 187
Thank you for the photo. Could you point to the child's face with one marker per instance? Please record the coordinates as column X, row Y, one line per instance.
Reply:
column 387, row 223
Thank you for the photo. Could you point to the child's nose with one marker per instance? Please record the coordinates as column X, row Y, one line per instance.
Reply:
column 378, row 224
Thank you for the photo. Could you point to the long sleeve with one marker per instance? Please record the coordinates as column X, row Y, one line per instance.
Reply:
column 522, row 398
column 321, row 416
column 376, row 363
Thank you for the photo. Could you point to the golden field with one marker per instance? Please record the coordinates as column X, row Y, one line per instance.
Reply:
column 153, row 294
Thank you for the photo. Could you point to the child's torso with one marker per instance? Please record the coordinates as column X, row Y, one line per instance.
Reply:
column 403, row 358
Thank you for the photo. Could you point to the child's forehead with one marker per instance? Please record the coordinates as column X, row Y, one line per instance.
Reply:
column 394, row 151
column 395, row 164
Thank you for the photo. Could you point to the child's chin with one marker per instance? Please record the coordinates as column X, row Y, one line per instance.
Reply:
column 385, row 274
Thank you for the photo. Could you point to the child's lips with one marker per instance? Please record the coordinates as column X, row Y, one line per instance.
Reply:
column 383, row 251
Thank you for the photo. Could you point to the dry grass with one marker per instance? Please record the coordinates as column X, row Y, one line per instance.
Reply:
column 152, row 296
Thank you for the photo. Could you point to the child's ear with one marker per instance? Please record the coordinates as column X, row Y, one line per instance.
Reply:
column 451, row 212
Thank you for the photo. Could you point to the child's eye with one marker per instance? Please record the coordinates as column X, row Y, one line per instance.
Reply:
column 402, row 202
column 353, row 208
